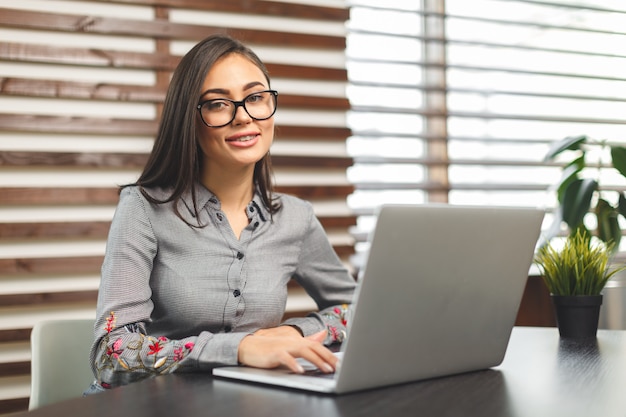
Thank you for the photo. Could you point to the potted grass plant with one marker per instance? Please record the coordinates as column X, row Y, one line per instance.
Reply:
column 575, row 270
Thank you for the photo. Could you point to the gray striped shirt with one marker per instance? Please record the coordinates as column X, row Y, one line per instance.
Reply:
column 177, row 297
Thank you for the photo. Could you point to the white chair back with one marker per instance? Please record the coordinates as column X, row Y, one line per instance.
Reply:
column 60, row 360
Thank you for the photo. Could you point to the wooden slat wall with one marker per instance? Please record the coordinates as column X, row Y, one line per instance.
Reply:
column 81, row 86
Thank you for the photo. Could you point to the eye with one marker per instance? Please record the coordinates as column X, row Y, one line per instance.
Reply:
column 217, row 105
column 255, row 98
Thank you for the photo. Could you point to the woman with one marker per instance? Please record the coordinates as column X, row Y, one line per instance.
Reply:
column 201, row 249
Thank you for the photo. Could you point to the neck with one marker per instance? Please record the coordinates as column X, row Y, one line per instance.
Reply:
column 234, row 188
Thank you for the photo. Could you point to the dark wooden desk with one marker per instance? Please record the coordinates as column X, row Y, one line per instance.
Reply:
column 541, row 375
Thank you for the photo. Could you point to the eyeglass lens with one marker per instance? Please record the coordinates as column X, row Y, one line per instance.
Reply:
column 220, row 112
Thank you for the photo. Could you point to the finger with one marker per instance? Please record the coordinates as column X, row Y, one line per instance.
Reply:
column 318, row 361
column 291, row 363
column 321, row 357
column 327, row 356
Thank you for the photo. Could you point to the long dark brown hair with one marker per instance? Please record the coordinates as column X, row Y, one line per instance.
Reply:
column 176, row 159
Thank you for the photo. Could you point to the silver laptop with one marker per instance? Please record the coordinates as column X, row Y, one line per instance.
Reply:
column 438, row 296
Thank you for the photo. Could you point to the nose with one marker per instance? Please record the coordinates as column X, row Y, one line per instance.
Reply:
column 241, row 115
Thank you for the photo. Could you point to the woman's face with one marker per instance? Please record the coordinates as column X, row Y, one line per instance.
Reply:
column 244, row 141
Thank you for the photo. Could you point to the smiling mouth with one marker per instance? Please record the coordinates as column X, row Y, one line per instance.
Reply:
column 246, row 138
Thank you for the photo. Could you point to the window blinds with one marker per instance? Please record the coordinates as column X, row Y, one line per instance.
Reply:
column 459, row 101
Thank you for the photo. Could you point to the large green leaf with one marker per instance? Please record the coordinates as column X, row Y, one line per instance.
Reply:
column 618, row 155
column 621, row 204
column 569, row 174
column 568, row 143
column 608, row 225
column 577, row 200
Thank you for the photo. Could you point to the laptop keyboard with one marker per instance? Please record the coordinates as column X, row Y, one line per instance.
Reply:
column 318, row 374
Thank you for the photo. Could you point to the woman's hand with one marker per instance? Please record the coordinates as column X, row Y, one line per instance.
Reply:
column 270, row 348
column 279, row 331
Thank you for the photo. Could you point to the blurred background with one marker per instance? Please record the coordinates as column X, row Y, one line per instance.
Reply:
column 401, row 101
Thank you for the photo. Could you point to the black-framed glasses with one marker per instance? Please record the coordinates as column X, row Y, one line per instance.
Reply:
column 221, row 111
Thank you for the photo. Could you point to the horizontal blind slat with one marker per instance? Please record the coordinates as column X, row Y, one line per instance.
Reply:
column 136, row 161
column 270, row 8
column 158, row 29
column 17, row 52
column 103, row 195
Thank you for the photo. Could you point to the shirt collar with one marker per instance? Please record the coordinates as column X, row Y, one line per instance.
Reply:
column 202, row 194
column 205, row 197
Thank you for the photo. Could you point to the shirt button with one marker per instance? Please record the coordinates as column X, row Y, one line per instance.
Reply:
column 236, row 293
column 239, row 255
column 252, row 209
column 256, row 224
column 219, row 216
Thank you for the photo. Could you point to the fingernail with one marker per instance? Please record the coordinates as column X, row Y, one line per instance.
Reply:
column 299, row 369
column 328, row 368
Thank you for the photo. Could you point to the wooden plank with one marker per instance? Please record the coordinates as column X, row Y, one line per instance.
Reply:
column 258, row 7
column 297, row 161
column 127, row 127
column 65, row 265
column 10, row 196
column 43, row 299
column 58, row 196
column 56, row 230
column 13, row 405
column 76, row 125
column 313, row 192
column 306, row 72
column 73, row 159
column 317, row 133
column 25, row 87
column 137, row 60
column 344, row 250
column 160, row 29
column 14, row 335
column 331, row 222
column 14, row 368
column 86, row 57
column 311, row 102
column 100, row 229
column 137, row 161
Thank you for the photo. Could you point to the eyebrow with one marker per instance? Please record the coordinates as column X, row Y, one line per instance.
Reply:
column 225, row 91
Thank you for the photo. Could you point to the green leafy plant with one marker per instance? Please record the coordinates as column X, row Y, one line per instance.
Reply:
column 579, row 267
column 576, row 193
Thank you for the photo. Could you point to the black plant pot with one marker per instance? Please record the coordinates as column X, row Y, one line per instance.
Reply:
column 577, row 315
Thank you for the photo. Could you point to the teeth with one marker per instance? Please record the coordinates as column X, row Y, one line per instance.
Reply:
column 245, row 138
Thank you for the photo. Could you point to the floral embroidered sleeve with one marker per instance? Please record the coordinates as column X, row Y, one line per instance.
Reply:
column 127, row 354
column 336, row 320
column 333, row 319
